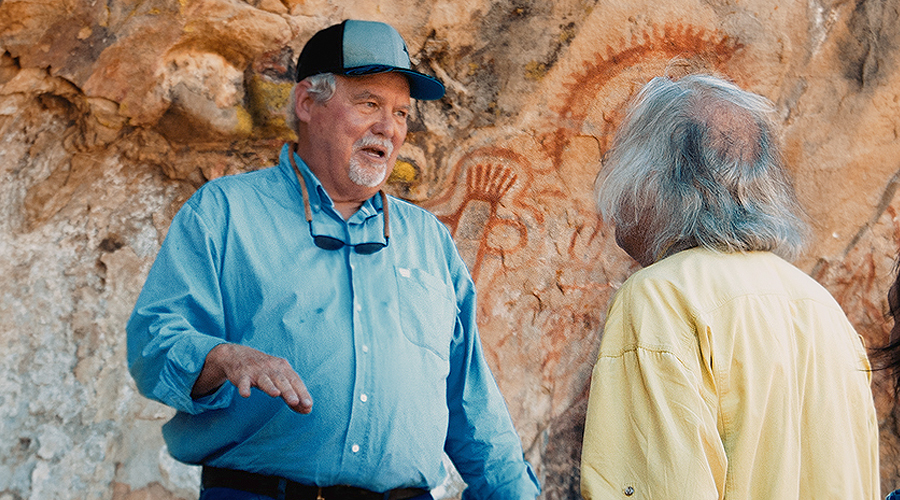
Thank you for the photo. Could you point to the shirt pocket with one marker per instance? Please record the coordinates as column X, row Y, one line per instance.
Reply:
column 427, row 310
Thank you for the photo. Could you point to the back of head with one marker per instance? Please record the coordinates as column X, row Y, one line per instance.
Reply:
column 695, row 163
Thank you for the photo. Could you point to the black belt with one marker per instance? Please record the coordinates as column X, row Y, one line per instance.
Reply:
column 272, row 486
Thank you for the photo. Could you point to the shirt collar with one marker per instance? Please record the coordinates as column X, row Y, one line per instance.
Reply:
column 318, row 197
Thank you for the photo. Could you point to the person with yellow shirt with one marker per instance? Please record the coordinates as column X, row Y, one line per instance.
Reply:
column 724, row 372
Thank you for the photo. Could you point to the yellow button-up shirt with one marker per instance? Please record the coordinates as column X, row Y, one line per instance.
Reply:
column 729, row 376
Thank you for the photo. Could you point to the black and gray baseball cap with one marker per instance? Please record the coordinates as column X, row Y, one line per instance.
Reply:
column 355, row 48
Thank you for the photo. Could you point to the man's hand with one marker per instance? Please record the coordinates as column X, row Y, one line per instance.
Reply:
column 246, row 367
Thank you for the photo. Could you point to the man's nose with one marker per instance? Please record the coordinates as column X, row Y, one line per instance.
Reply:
column 389, row 125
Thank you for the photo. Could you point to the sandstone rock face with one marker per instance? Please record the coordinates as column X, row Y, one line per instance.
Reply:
column 113, row 113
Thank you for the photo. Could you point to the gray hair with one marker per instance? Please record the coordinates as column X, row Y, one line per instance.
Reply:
column 695, row 163
column 322, row 87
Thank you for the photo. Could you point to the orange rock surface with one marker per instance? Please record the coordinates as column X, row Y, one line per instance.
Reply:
column 112, row 113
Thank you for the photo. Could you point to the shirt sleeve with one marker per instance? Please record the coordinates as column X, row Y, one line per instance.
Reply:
column 650, row 430
column 481, row 439
column 178, row 318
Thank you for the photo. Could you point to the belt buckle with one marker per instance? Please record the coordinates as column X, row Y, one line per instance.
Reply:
column 319, row 494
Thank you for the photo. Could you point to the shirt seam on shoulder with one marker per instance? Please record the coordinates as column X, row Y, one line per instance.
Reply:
column 650, row 349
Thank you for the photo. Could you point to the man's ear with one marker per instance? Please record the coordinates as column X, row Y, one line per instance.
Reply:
column 303, row 101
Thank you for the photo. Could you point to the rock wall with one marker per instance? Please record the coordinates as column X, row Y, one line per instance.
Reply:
column 113, row 112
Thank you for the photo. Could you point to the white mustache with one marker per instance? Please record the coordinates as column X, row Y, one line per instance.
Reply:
column 371, row 140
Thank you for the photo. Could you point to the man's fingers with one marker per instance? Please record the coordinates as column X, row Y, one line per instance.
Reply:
column 294, row 393
column 270, row 374
column 287, row 391
column 244, row 385
column 265, row 384
column 305, row 400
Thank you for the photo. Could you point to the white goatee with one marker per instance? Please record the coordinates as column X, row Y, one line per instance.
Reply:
column 369, row 175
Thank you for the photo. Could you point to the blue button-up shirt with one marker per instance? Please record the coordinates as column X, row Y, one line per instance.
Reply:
column 386, row 343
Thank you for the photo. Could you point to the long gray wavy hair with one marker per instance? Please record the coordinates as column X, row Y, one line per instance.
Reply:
column 695, row 163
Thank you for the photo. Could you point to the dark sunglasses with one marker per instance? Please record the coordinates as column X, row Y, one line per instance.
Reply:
column 329, row 243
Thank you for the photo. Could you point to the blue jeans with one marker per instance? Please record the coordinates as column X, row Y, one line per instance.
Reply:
column 230, row 494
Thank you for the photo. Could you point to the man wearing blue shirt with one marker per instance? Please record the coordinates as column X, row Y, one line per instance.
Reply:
column 343, row 318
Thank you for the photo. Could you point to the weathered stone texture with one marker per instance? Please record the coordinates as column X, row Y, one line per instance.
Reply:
column 112, row 113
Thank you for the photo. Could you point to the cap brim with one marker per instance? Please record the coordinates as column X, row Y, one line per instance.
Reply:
column 421, row 86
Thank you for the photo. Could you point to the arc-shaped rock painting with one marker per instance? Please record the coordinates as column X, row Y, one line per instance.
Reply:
column 498, row 176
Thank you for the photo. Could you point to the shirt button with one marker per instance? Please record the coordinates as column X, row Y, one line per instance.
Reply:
column 355, row 448
column 358, row 306
column 365, row 348
column 363, row 398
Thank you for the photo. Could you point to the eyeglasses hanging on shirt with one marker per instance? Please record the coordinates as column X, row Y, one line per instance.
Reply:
column 328, row 242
